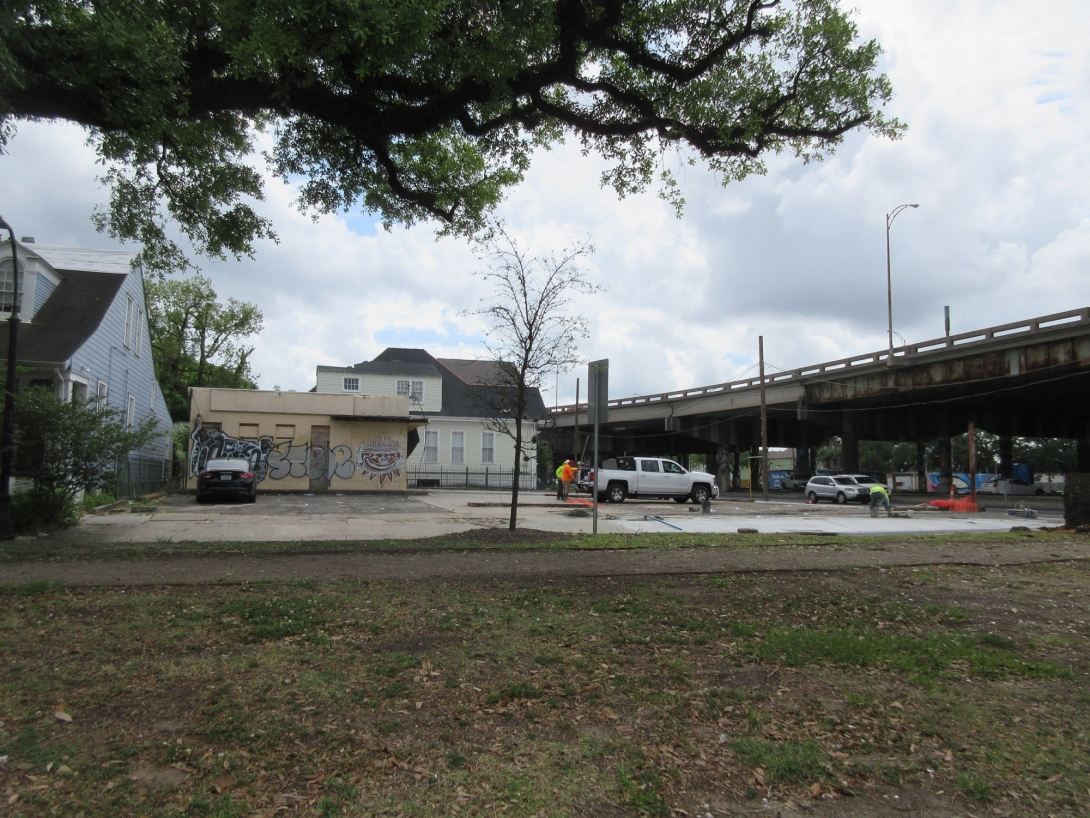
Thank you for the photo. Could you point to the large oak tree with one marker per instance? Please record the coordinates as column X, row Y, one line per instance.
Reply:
column 420, row 109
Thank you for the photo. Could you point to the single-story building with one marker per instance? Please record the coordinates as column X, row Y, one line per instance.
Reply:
column 304, row 441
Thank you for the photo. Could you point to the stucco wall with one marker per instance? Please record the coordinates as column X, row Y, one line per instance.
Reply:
column 273, row 430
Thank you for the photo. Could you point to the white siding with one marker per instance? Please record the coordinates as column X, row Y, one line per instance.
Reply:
column 382, row 386
column 473, row 427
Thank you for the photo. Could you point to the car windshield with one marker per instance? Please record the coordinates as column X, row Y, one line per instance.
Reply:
column 863, row 480
column 844, row 481
column 228, row 464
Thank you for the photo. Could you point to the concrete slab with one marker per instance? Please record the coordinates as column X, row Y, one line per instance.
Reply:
column 839, row 524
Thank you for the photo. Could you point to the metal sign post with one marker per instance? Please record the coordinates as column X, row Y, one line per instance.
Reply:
column 598, row 409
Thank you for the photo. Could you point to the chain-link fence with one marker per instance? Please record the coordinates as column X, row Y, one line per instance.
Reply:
column 137, row 475
column 466, row 477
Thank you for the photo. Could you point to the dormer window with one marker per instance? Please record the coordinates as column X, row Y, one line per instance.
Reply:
column 411, row 389
column 7, row 285
column 350, row 384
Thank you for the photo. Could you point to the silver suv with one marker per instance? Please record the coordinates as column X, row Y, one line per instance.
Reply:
column 838, row 490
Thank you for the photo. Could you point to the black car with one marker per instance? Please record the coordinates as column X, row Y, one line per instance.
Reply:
column 227, row 477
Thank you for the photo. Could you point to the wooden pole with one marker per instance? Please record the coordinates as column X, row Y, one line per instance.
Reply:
column 764, row 422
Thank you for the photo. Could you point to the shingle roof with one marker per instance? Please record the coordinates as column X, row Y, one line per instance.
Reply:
column 68, row 318
column 474, row 372
column 82, row 259
column 377, row 367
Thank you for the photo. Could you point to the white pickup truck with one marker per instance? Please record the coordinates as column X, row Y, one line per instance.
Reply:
column 623, row 477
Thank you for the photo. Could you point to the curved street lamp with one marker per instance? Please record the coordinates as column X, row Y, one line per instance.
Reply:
column 7, row 433
column 889, row 277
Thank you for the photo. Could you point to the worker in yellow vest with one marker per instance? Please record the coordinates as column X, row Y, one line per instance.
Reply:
column 878, row 495
column 560, row 481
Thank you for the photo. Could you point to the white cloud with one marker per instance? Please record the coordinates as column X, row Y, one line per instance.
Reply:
column 995, row 95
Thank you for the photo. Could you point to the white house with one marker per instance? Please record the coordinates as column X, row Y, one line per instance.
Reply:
column 462, row 444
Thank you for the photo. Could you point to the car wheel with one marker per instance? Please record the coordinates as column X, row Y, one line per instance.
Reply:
column 701, row 494
column 616, row 493
column 1039, row 493
column 201, row 499
column 841, row 499
column 252, row 498
column 812, row 497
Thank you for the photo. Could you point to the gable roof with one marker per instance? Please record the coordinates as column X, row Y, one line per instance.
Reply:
column 71, row 314
column 474, row 372
column 463, row 393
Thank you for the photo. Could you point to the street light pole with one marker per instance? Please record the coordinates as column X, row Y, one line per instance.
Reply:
column 7, row 434
column 889, row 277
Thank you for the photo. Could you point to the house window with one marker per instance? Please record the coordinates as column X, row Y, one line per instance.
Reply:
column 130, row 416
column 411, row 389
column 351, row 385
column 102, row 391
column 488, row 447
column 128, row 322
column 457, row 447
column 138, row 340
column 7, row 285
column 431, row 447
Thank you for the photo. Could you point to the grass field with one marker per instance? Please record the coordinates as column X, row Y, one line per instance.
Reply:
column 68, row 549
column 963, row 691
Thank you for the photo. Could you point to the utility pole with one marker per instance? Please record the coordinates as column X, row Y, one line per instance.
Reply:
column 7, row 437
column 972, row 461
column 764, row 421
column 575, row 428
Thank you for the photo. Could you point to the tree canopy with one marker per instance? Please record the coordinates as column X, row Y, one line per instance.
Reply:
column 197, row 341
column 420, row 109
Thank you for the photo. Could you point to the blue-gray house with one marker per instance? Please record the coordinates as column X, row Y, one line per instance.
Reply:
column 84, row 334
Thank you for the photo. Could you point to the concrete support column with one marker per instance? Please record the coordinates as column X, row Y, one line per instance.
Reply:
column 849, row 453
column 1082, row 455
column 945, row 474
column 736, row 472
column 1006, row 456
column 921, row 467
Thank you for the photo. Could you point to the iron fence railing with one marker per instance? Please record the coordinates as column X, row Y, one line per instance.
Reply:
column 468, row 477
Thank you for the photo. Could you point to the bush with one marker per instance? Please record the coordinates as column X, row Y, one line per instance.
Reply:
column 66, row 448
column 37, row 512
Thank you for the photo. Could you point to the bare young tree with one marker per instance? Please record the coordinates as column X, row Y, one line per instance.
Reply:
column 530, row 333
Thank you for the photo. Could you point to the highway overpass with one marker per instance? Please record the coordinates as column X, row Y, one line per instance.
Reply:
column 1029, row 379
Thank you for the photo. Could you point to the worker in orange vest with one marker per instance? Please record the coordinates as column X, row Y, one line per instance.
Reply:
column 567, row 474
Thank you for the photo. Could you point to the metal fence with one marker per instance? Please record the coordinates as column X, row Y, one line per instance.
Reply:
column 136, row 476
column 466, row 477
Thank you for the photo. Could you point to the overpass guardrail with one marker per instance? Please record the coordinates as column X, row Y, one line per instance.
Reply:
column 907, row 352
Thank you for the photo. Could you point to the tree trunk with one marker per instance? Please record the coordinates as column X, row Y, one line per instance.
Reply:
column 516, row 472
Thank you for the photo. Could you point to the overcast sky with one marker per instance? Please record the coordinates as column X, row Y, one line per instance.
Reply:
column 994, row 93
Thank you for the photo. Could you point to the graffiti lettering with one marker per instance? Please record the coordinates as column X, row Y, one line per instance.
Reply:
column 213, row 443
column 379, row 457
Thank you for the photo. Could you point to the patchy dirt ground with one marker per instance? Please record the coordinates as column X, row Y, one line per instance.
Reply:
column 921, row 691
column 525, row 553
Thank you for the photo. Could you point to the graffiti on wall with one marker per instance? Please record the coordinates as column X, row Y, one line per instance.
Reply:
column 210, row 443
column 378, row 457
